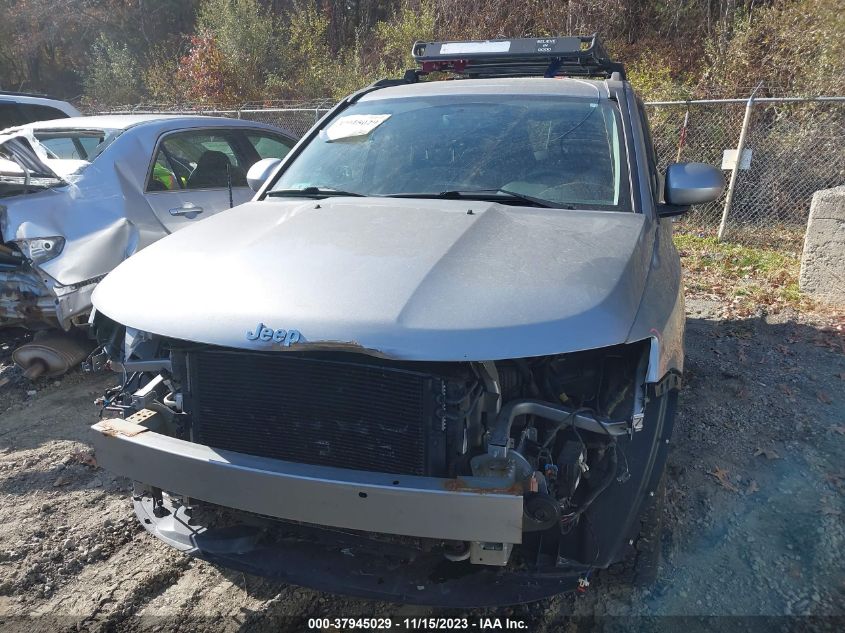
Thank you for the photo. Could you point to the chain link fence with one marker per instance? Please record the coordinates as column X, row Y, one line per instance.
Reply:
column 796, row 146
column 294, row 117
column 793, row 147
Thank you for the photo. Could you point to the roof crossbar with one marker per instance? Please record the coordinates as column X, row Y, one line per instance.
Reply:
column 571, row 56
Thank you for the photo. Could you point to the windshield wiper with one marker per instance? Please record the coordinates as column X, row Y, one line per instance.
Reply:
column 312, row 192
column 485, row 194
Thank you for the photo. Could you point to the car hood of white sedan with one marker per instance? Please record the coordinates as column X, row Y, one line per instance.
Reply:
column 406, row 279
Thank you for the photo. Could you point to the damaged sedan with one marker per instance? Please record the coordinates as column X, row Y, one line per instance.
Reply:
column 436, row 360
column 80, row 195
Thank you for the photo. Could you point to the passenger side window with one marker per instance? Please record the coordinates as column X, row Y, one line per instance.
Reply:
column 655, row 178
column 269, row 146
column 197, row 160
column 163, row 177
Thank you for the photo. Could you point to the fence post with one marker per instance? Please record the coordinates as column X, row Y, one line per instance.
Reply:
column 746, row 121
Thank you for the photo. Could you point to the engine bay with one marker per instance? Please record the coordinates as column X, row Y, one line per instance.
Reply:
column 556, row 430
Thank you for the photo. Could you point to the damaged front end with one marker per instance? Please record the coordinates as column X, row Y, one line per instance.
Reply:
column 454, row 483
column 28, row 296
column 31, row 298
column 23, row 296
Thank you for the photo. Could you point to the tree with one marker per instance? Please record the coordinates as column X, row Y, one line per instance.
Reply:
column 112, row 76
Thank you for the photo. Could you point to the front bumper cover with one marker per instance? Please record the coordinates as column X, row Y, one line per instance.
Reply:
column 346, row 563
column 26, row 300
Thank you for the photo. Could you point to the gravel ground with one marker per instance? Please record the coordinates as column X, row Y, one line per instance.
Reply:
column 754, row 510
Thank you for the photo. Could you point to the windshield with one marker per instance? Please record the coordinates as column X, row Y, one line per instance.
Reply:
column 566, row 151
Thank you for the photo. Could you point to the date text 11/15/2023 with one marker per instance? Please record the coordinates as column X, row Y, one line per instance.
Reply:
column 421, row 623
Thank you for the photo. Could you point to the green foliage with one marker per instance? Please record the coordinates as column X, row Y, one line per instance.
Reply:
column 746, row 277
column 244, row 34
column 395, row 37
column 306, row 47
column 653, row 80
column 204, row 76
column 261, row 49
column 336, row 72
column 112, row 76
column 793, row 46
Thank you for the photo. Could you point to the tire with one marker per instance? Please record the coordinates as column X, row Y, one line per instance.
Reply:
column 641, row 566
column 647, row 545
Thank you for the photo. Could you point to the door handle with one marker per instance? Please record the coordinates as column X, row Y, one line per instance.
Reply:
column 189, row 210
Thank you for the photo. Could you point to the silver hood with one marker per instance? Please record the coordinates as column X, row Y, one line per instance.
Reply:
column 406, row 279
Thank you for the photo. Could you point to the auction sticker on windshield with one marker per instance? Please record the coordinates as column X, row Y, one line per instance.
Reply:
column 354, row 125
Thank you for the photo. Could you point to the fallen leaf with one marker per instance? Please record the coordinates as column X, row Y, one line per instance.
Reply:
column 822, row 397
column 768, row 453
column 721, row 475
column 752, row 487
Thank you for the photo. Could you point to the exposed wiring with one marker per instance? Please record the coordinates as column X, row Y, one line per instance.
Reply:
column 611, row 475
column 568, row 421
column 116, row 391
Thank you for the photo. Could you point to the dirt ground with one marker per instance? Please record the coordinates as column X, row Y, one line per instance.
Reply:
column 754, row 516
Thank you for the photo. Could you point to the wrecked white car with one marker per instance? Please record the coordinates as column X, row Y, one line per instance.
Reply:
column 437, row 359
column 78, row 196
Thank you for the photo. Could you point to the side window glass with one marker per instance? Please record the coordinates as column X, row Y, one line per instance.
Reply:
column 655, row 179
column 89, row 144
column 203, row 160
column 269, row 146
column 63, row 147
column 9, row 116
column 163, row 177
column 32, row 112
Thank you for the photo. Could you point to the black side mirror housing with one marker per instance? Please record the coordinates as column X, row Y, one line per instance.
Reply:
column 671, row 210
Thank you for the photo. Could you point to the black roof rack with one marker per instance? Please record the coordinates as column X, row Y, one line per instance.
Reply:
column 573, row 56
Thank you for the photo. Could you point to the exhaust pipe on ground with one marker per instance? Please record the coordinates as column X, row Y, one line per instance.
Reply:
column 51, row 354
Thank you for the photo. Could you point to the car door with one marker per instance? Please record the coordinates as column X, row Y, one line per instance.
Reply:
column 197, row 173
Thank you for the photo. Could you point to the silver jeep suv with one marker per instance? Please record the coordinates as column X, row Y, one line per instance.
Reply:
column 436, row 359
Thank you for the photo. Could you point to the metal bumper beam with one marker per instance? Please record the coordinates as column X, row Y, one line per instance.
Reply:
column 466, row 509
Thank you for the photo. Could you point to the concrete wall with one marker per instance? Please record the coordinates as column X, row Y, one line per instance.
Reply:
column 823, row 262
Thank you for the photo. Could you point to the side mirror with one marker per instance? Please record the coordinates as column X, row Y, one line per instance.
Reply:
column 260, row 172
column 692, row 183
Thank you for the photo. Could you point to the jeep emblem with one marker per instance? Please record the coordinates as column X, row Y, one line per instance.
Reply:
column 264, row 333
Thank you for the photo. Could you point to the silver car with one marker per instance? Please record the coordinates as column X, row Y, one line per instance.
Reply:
column 436, row 359
column 78, row 196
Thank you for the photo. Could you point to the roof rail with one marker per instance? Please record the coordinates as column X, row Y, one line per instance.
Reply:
column 573, row 56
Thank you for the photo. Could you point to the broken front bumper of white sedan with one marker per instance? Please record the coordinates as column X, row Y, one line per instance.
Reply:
column 28, row 300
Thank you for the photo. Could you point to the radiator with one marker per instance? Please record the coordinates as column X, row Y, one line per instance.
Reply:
column 317, row 410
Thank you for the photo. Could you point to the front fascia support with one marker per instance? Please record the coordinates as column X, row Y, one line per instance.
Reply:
column 466, row 509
